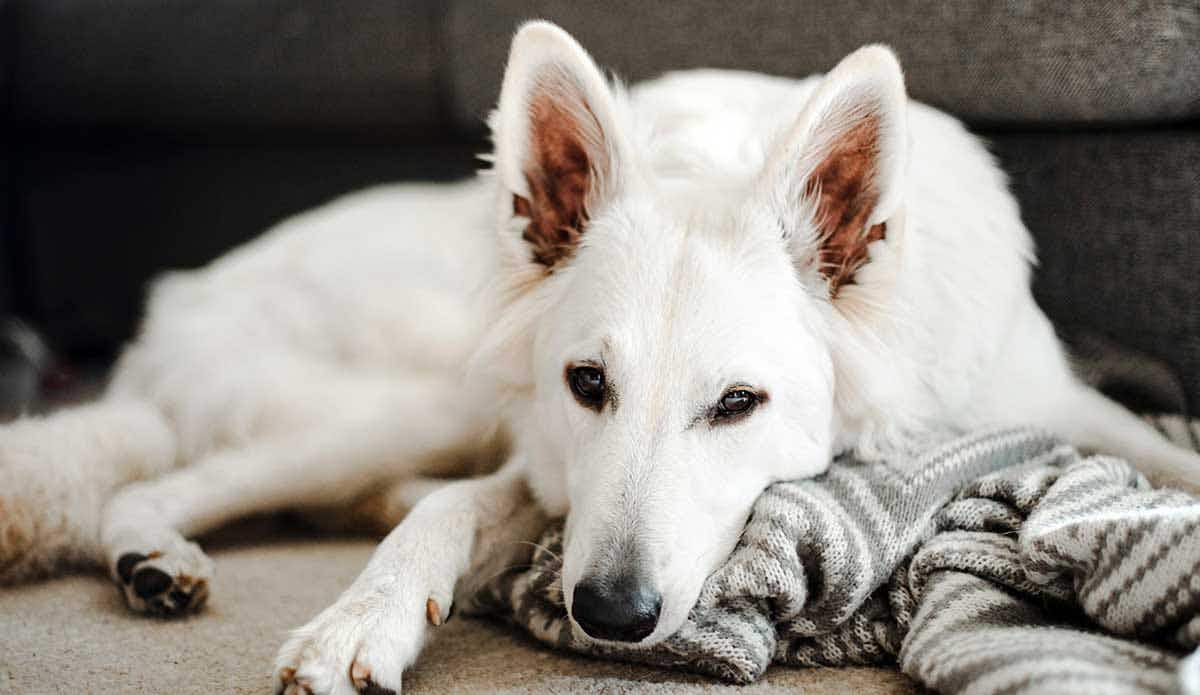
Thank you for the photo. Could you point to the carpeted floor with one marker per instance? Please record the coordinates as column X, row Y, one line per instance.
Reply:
column 74, row 635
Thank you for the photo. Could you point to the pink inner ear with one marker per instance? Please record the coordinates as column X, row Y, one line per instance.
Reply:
column 845, row 183
column 559, row 176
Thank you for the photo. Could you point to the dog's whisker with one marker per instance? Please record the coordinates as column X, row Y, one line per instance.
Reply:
column 505, row 570
column 539, row 546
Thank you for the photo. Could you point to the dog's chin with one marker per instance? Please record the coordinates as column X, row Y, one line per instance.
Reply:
column 649, row 642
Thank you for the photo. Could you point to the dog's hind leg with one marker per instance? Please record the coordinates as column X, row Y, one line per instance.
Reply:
column 378, row 511
column 1093, row 422
column 383, row 434
column 58, row 470
column 1034, row 385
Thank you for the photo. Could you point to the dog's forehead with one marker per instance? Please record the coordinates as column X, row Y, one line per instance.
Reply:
column 682, row 287
column 660, row 266
column 674, row 240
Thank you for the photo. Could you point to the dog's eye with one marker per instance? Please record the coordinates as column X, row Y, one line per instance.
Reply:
column 587, row 383
column 734, row 404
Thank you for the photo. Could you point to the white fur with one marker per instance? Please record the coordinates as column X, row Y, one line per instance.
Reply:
column 326, row 359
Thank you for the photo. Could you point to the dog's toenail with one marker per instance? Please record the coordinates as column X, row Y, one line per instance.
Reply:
column 150, row 582
column 126, row 564
column 433, row 613
column 360, row 675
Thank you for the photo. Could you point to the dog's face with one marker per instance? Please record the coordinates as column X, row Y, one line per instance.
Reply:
column 681, row 372
column 677, row 341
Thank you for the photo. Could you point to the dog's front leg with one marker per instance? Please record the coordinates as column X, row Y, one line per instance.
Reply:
column 364, row 641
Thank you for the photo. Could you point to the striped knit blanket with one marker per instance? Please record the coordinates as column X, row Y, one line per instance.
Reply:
column 1000, row 562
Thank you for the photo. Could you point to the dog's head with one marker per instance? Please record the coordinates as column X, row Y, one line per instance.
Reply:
column 669, row 341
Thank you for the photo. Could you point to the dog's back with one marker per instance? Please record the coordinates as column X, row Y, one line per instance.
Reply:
column 958, row 260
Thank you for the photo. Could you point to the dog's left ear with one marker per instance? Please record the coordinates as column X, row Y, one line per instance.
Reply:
column 556, row 142
column 836, row 177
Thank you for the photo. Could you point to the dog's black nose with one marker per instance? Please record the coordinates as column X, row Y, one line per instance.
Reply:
column 625, row 611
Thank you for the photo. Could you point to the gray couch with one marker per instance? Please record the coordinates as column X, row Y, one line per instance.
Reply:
column 146, row 134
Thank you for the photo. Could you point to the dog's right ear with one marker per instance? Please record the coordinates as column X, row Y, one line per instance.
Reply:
column 836, row 179
column 556, row 143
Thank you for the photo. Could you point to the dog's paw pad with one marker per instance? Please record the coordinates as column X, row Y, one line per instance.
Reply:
column 126, row 564
column 149, row 582
column 164, row 584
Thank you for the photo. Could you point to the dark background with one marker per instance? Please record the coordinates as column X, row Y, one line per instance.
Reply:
column 142, row 135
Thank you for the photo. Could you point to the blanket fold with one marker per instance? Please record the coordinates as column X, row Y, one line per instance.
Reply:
column 998, row 562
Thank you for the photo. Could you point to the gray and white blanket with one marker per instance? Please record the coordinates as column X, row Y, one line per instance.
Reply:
column 1000, row 562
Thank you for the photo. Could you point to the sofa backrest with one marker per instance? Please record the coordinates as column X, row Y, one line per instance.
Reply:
column 1013, row 64
column 147, row 134
column 404, row 67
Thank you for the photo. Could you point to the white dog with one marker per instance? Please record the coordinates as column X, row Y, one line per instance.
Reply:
column 657, row 303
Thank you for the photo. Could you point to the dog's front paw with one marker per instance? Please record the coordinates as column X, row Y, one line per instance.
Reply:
column 167, row 581
column 360, row 644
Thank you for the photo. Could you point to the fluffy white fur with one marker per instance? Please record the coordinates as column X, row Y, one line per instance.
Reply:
column 326, row 360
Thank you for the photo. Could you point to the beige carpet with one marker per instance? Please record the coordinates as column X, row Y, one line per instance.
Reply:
column 73, row 635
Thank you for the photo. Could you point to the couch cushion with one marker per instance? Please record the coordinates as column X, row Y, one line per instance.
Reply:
column 1117, row 221
column 177, row 64
column 1013, row 62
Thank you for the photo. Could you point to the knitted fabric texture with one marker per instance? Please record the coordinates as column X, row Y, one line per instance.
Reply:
column 999, row 562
